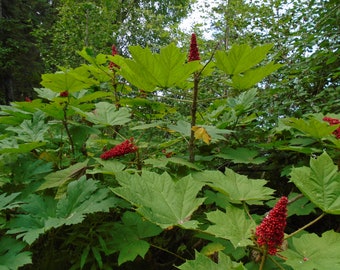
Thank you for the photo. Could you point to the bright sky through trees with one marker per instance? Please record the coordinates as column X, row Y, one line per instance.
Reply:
column 197, row 15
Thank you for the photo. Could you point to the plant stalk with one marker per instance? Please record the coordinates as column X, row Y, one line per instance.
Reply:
column 64, row 121
column 193, row 118
column 307, row 225
column 263, row 260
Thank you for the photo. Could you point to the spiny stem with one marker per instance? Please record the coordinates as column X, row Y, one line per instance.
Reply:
column 263, row 260
column 193, row 118
column 168, row 251
column 307, row 225
column 197, row 76
column 64, row 121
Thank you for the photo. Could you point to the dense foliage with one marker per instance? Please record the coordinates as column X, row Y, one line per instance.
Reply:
column 214, row 155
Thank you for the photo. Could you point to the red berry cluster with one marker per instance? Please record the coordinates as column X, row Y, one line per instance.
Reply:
column 114, row 52
column 193, row 54
column 120, row 149
column 332, row 122
column 64, row 94
column 270, row 232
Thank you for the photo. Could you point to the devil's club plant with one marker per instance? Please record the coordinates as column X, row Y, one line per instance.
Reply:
column 156, row 204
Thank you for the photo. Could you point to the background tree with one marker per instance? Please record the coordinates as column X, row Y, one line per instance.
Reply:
column 306, row 39
column 20, row 62
column 99, row 24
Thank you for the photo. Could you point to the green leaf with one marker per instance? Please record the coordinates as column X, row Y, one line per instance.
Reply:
column 242, row 155
column 211, row 248
column 320, row 183
column 97, row 256
column 31, row 169
column 202, row 262
column 160, row 199
column 128, row 235
column 232, row 225
column 163, row 161
column 183, row 127
column 108, row 167
column 83, row 197
column 238, row 188
column 93, row 96
column 106, row 114
column 43, row 213
column 241, row 58
column 70, row 80
column 62, row 177
column 31, row 130
column 84, row 256
column 311, row 127
column 13, row 115
column 300, row 207
column 6, row 202
column 11, row 257
column 148, row 71
column 20, row 148
column 243, row 102
column 252, row 77
column 31, row 224
column 313, row 252
column 240, row 62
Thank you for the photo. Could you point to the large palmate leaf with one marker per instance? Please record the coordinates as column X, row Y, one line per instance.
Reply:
column 148, row 71
column 232, row 225
column 31, row 130
column 61, row 178
column 128, row 236
column 14, row 114
column 31, row 224
column 238, row 188
column 162, row 162
column 106, row 114
column 311, row 127
column 43, row 213
column 243, row 102
column 253, row 76
column 202, row 262
column 71, row 80
column 6, row 202
column 240, row 62
column 107, row 167
column 10, row 146
column 242, row 155
column 241, row 58
column 320, row 183
column 159, row 198
column 82, row 197
column 11, row 255
column 313, row 252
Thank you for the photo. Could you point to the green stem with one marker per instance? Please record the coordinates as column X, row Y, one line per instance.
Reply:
column 65, row 124
column 168, row 251
column 245, row 207
column 263, row 260
column 307, row 225
column 139, row 162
